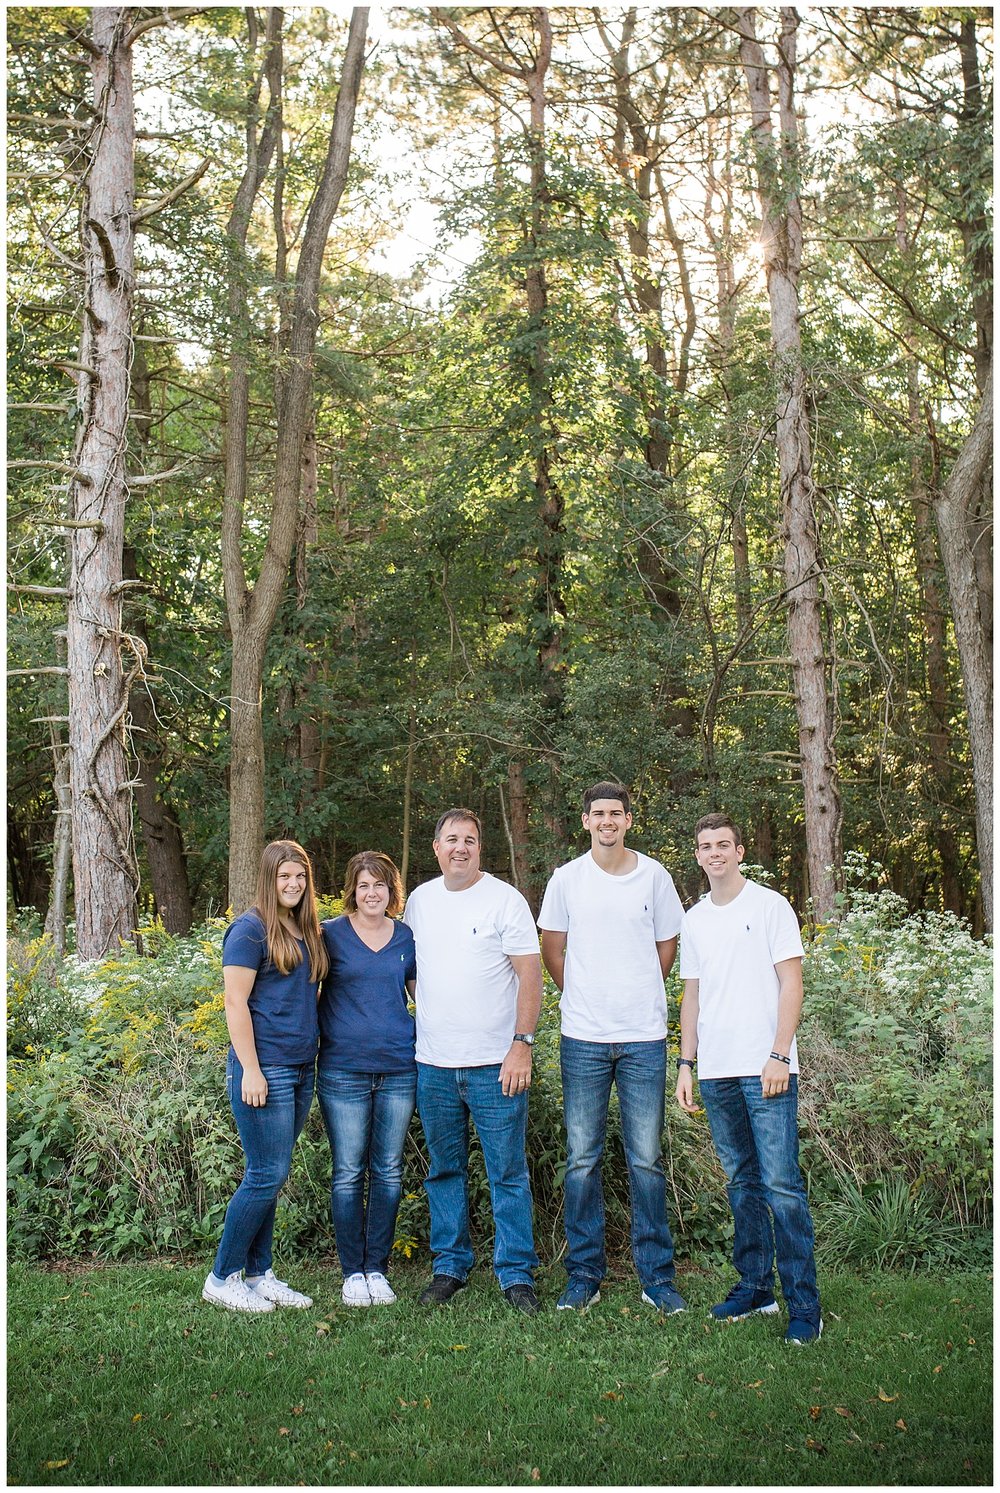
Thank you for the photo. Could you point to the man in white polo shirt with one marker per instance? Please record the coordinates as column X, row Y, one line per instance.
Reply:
column 609, row 922
column 741, row 962
column 479, row 989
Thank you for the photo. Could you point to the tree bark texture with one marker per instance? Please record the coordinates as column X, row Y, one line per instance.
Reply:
column 781, row 236
column 960, row 493
column 252, row 609
column 102, row 661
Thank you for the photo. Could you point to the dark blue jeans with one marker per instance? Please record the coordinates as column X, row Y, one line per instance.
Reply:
column 638, row 1071
column 757, row 1140
column 367, row 1116
column 267, row 1134
column 446, row 1097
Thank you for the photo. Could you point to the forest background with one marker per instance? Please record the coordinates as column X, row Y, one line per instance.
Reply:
column 668, row 459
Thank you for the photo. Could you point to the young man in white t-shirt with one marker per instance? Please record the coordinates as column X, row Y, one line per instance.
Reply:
column 479, row 990
column 609, row 922
column 741, row 963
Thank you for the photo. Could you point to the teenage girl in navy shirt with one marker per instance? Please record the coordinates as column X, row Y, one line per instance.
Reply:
column 367, row 1070
column 273, row 958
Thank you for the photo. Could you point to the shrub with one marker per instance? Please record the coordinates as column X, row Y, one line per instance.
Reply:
column 121, row 1141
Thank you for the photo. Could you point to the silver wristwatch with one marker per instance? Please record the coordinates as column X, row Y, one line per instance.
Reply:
column 528, row 1037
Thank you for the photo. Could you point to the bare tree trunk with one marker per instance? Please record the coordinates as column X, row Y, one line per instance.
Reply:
column 104, row 865
column 960, row 493
column 62, row 848
column 781, row 236
column 252, row 610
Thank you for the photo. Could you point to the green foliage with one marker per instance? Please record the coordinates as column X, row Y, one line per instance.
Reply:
column 897, row 1043
column 121, row 1142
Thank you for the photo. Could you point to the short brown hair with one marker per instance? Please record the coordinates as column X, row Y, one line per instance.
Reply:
column 450, row 814
column 383, row 869
column 607, row 790
column 718, row 821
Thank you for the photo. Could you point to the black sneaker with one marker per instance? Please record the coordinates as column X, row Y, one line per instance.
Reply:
column 441, row 1289
column 522, row 1297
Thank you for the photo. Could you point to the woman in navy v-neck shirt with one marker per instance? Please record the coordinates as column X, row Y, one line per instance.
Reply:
column 367, row 1073
column 273, row 958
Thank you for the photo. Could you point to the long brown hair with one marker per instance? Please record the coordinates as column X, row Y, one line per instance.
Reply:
column 383, row 869
column 282, row 948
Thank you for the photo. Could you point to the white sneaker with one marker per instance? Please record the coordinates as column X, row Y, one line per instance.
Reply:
column 235, row 1295
column 379, row 1289
column 355, row 1292
column 279, row 1291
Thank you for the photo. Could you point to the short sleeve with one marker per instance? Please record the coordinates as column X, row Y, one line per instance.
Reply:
column 245, row 943
column 690, row 964
column 784, row 936
column 518, row 934
column 553, row 916
column 668, row 913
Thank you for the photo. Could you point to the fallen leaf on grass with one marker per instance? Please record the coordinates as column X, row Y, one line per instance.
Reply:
column 815, row 1411
column 756, row 1384
column 611, row 1395
column 535, row 1474
column 459, row 1347
column 967, row 1465
column 322, row 1328
column 843, row 1410
column 816, row 1446
column 901, row 1424
column 702, row 1380
column 55, row 1466
column 137, row 1418
column 886, row 1399
column 938, row 1367
column 297, row 1409
column 284, row 1431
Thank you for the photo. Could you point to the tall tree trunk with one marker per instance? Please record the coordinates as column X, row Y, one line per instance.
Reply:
column 158, row 824
column 960, row 494
column 252, row 610
column 105, row 877
column 777, row 167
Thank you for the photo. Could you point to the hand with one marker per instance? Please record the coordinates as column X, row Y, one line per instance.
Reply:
column 515, row 1070
column 685, row 1090
column 254, row 1088
column 774, row 1079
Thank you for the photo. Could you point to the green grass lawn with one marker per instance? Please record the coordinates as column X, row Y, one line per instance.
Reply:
column 124, row 1376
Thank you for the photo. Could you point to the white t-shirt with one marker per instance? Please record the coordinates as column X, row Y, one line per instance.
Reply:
column 731, row 951
column 466, row 985
column 612, row 986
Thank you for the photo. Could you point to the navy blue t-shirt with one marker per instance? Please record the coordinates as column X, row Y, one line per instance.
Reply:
column 364, row 1024
column 282, row 1007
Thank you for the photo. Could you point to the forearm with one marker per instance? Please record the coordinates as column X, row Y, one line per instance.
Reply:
column 789, row 1005
column 689, row 1020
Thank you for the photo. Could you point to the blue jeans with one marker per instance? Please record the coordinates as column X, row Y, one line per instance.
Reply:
column 367, row 1116
column 267, row 1135
column 757, row 1140
column 639, row 1072
column 446, row 1097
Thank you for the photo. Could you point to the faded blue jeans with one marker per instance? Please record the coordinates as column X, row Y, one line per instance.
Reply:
column 267, row 1134
column 757, row 1140
column 446, row 1097
column 638, row 1071
column 367, row 1116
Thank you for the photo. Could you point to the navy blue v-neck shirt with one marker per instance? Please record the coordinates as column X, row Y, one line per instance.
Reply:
column 365, row 1026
